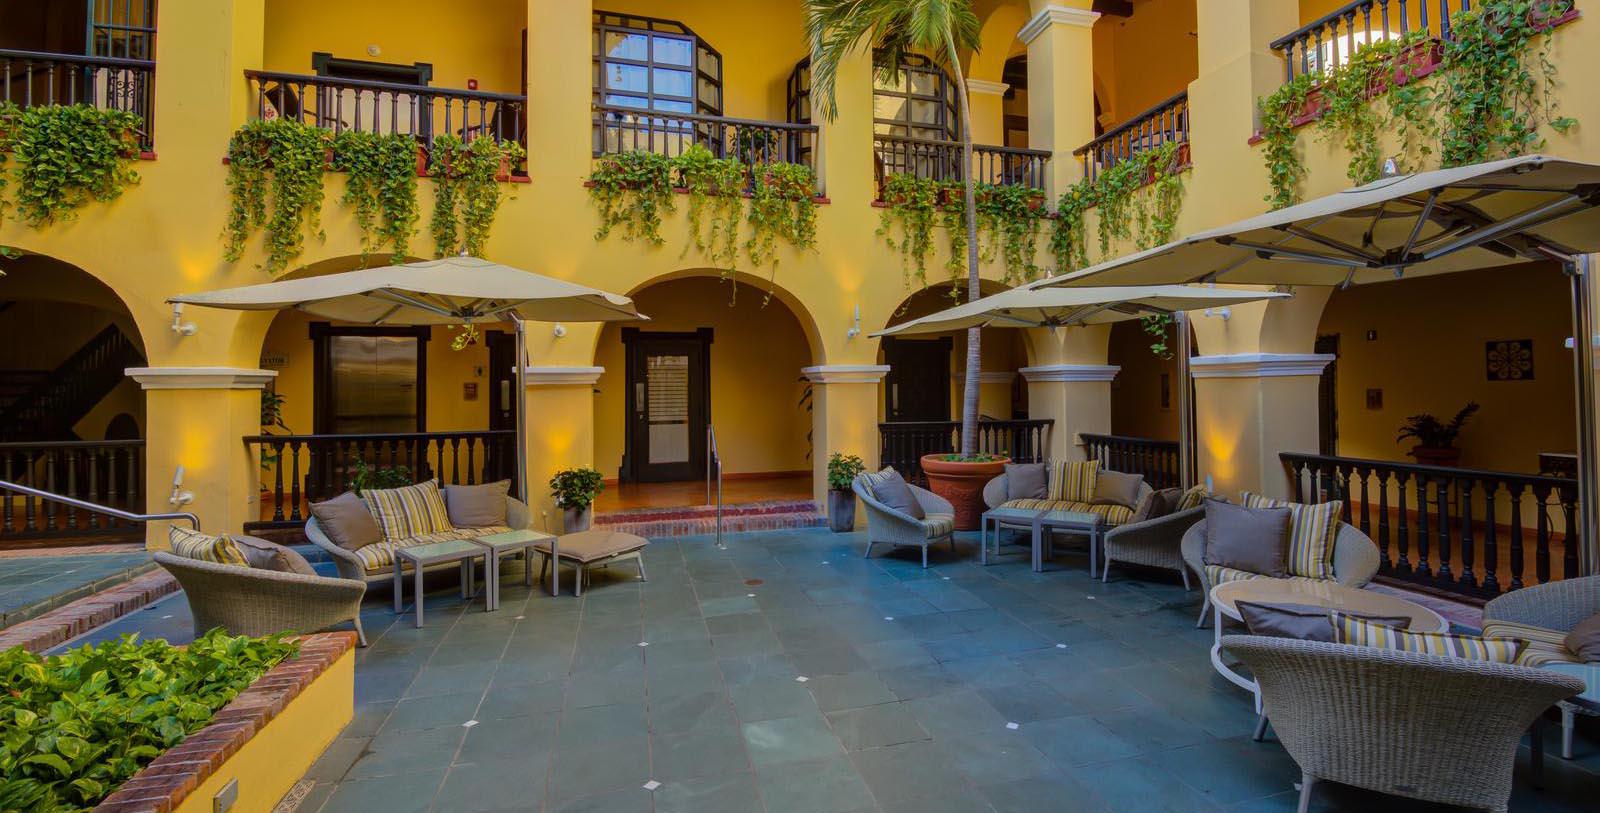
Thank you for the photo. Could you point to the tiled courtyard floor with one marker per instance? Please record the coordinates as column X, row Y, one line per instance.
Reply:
column 33, row 584
column 912, row 680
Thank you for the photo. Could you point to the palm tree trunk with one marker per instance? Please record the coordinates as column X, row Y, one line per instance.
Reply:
column 969, row 393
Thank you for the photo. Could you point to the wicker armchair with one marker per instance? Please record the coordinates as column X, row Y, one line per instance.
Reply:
column 1418, row 726
column 884, row 524
column 351, row 567
column 1557, row 606
column 1152, row 543
column 250, row 601
column 1355, row 559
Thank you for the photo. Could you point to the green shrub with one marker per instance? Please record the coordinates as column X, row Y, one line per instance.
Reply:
column 576, row 488
column 66, row 156
column 842, row 470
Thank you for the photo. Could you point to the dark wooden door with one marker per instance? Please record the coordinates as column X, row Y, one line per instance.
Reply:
column 502, row 378
column 917, row 387
column 668, row 405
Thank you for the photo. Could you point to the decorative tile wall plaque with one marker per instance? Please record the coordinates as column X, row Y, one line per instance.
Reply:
column 1509, row 359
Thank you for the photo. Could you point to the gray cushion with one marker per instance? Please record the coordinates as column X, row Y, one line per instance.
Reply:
column 1255, row 540
column 477, row 506
column 1027, row 481
column 1117, row 488
column 891, row 489
column 592, row 546
column 1164, row 502
column 1584, row 639
column 1303, row 622
column 347, row 522
column 263, row 555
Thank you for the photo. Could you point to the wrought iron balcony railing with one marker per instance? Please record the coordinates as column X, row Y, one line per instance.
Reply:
column 36, row 78
column 1166, row 122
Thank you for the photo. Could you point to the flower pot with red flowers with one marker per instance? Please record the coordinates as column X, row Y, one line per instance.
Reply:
column 1436, row 439
column 960, row 480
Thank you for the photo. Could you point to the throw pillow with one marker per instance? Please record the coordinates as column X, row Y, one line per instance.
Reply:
column 264, row 555
column 1584, row 639
column 1164, row 502
column 192, row 544
column 403, row 513
column 1193, row 498
column 1027, row 481
column 1117, row 488
column 1348, row 629
column 1311, row 537
column 1074, row 481
column 1302, row 622
column 891, row 490
column 477, row 506
column 346, row 521
column 1254, row 540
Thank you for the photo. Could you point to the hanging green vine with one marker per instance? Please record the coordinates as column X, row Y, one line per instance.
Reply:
column 913, row 204
column 1010, row 216
column 633, row 190
column 468, row 191
column 1286, row 167
column 280, row 160
column 782, row 204
column 381, row 187
column 1159, row 329
column 65, row 156
column 716, row 202
column 1496, row 88
column 1069, row 240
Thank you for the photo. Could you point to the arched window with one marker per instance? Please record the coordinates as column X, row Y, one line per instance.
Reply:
column 651, row 64
column 919, row 102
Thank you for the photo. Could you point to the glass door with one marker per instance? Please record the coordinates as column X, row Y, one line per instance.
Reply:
column 668, row 396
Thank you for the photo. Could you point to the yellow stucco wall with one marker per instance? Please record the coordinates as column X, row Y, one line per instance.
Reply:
column 1143, row 59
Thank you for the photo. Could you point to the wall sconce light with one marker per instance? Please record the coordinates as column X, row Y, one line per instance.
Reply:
column 179, row 497
column 560, row 331
column 855, row 327
column 179, row 326
column 1220, row 313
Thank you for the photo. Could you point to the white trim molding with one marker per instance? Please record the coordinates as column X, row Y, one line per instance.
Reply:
column 1056, row 15
column 561, row 376
column 1070, row 372
column 845, row 373
column 995, row 376
column 1259, row 365
column 986, row 87
column 201, row 378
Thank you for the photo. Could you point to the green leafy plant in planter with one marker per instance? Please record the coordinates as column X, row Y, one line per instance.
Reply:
column 842, row 472
column 365, row 476
column 1495, row 91
column 1011, row 215
column 278, row 162
column 716, row 203
column 632, row 190
column 79, row 724
column 782, row 204
column 1436, row 439
column 65, row 156
column 381, row 186
column 754, row 146
column 574, row 491
column 468, row 191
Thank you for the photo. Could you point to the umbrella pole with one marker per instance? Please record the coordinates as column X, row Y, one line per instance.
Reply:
column 1581, row 270
column 1186, row 466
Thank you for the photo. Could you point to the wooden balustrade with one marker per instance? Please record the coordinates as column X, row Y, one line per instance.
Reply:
column 629, row 129
column 1166, row 122
column 1157, row 460
column 1461, row 531
column 108, row 472
column 902, row 444
column 300, row 469
column 36, row 79
column 938, row 160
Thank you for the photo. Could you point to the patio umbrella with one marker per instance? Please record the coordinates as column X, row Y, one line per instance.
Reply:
column 1534, row 207
column 1061, row 307
column 449, row 291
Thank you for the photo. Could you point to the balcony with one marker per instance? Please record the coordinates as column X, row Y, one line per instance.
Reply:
column 619, row 129
column 941, row 160
column 1165, row 122
column 38, row 78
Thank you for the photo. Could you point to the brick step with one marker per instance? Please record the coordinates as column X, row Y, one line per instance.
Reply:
column 65, row 623
column 656, row 523
column 697, row 511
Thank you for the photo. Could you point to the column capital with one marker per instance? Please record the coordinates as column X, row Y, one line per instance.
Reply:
column 1259, row 365
column 845, row 373
column 1070, row 372
column 560, row 376
column 1056, row 15
column 987, row 87
column 201, row 378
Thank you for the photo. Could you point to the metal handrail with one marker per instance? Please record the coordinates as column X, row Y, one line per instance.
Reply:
column 6, row 485
column 714, row 457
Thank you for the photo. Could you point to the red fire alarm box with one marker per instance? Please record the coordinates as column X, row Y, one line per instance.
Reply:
column 469, row 390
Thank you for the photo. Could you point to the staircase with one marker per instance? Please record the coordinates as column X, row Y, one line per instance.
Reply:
column 656, row 523
column 48, row 409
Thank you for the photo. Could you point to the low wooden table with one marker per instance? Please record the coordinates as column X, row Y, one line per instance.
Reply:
column 422, row 556
column 1313, row 593
column 505, row 544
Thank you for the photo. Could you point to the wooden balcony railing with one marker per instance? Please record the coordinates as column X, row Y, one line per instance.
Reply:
column 108, row 472
column 1157, row 460
column 300, row 469
column 903, row 443
column 1466, row 532
column 941, row 161
column 387, row 107
column 34, row 78
column 1167, row 121
column 628, row 129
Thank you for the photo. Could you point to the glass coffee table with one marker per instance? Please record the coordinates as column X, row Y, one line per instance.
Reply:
column 503, row 544
column 423, row 556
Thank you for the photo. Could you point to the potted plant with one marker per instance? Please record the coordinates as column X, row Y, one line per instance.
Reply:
column 575, row 490
column 1436, row 439
column 842, row 471
column 960, row 479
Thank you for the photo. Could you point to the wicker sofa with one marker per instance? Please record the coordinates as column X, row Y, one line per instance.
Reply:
column 1544, row 614
column 375, row 562
column 996, row 494
column 886, row 525
column 1355, row 559
column 1423, row 727
column 1152, row 543
column 253, row 601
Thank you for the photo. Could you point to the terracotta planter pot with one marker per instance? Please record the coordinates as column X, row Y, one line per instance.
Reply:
column 841, row 510
column 1433, row 456
column 962, row 484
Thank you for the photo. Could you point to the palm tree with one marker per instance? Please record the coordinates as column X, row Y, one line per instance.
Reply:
column 939, row 29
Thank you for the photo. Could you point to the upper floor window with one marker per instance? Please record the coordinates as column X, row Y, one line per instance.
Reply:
column 918, row 102
column 651, row 64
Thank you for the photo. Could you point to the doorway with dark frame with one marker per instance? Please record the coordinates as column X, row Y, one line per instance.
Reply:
column 917, row 387
column 668, row 404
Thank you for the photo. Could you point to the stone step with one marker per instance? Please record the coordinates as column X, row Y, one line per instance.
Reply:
column 695, row 520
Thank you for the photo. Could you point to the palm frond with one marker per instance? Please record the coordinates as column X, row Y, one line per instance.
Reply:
column 889, row 29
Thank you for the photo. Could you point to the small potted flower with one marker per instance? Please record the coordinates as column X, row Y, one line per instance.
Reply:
column 842, row 471
column 574, row 491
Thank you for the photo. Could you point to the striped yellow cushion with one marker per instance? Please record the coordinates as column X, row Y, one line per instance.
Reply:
column 195, row 545
column 1348, row 629
column 1217, row 574
column 1111, row 515
column 1074, row 481
column 1193, row 498
column 1542, row 646
column 1312, row 529
column 380, row 555
column 405, row 513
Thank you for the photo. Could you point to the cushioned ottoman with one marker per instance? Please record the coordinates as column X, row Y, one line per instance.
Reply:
column 587, row 549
